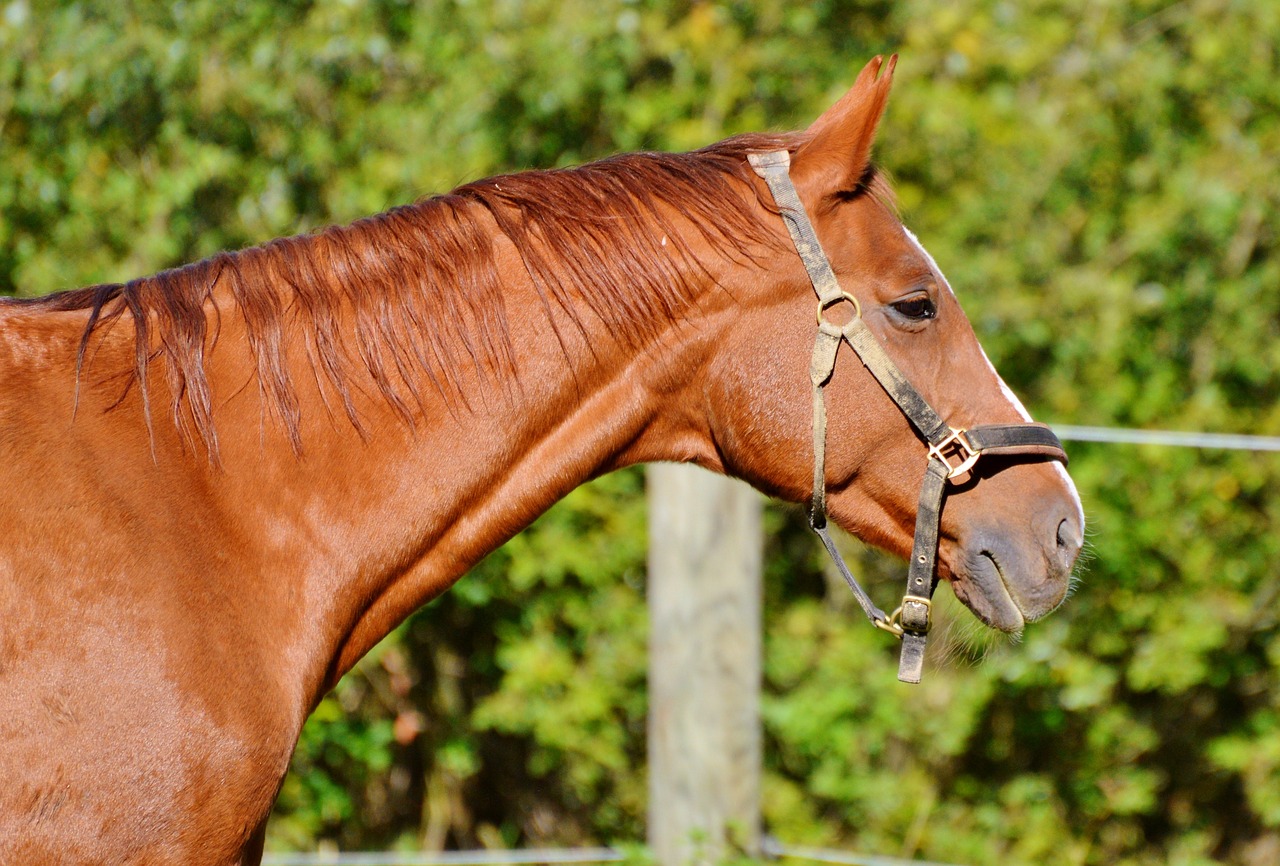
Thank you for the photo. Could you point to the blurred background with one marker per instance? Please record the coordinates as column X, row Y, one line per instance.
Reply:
column 1097, row 179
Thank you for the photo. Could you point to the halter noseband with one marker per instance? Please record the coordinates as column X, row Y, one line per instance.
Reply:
column 952, row 452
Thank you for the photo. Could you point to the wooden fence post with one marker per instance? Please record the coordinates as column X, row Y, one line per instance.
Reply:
column 704, row 593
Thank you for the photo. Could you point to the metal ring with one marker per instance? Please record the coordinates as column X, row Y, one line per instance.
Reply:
column 891, row 624
column 844, row 296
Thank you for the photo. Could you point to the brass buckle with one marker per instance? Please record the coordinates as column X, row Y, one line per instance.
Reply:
column 916, row 602
column 823, row 306
column 955, row 447
column 893, row 625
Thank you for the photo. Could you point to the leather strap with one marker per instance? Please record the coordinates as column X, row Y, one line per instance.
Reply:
column 1017, row 440
column 774, row 168
column 952, row 453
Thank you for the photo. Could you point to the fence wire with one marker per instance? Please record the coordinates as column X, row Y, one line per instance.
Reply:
column 770, row 849
column 516, row 857
column 774, row 849
column 1174, row 438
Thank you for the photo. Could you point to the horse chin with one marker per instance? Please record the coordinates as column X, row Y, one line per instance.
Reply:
column 982, row 586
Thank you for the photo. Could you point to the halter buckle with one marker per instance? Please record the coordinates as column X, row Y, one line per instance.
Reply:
column 956, row 452
column 918, row 613
column 915, row 614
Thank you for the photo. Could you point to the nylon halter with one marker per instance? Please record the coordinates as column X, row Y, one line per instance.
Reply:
column 952, row 452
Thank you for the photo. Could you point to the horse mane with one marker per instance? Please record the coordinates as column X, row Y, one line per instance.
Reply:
column 415, row 289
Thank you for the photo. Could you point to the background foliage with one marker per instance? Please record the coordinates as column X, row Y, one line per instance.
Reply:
column 1097, row 179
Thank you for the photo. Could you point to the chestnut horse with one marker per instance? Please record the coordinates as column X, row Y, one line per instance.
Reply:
column 224, row 483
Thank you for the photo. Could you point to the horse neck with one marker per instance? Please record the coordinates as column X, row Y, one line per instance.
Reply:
column 370, row 524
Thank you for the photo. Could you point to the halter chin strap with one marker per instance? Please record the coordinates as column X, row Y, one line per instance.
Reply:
column 952, row 452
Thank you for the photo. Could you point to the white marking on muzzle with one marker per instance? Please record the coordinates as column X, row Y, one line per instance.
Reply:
column 1011, row 397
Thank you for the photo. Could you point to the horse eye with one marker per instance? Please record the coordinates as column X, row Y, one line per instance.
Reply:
column 917, row 308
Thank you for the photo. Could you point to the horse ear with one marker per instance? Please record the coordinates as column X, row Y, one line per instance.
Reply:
column 837, row 148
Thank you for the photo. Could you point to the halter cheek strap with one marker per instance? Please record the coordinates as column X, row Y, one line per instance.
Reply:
column 952, row 452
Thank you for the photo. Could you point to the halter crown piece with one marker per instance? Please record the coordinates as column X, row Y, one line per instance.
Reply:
column 952, row 452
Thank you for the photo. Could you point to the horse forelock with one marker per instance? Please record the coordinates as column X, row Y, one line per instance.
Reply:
column 401, row 302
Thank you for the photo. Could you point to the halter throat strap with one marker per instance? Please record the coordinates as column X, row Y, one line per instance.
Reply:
column 952, row 452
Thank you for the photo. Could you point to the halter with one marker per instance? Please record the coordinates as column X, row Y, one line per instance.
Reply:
column 952, row 452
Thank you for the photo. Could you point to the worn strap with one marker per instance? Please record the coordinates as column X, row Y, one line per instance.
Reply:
column 773, row 168
column 921, row 573
column 926, row 421
column 874, row 613
column 1017, row 440
column 821, row 366
column 825, row 348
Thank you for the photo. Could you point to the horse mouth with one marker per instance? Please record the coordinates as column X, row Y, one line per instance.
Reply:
column 984, row 589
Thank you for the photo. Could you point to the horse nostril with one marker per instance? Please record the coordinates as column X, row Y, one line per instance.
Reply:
column 1069, row 538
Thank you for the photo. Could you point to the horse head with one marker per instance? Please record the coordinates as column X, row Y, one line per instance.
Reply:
column 1011, row 526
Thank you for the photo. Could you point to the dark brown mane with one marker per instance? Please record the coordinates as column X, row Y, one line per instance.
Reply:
column 414, row 290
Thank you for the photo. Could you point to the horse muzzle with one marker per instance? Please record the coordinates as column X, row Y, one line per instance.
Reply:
column 1009, row 578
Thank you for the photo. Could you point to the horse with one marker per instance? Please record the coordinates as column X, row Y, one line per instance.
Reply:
column 224, row 483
